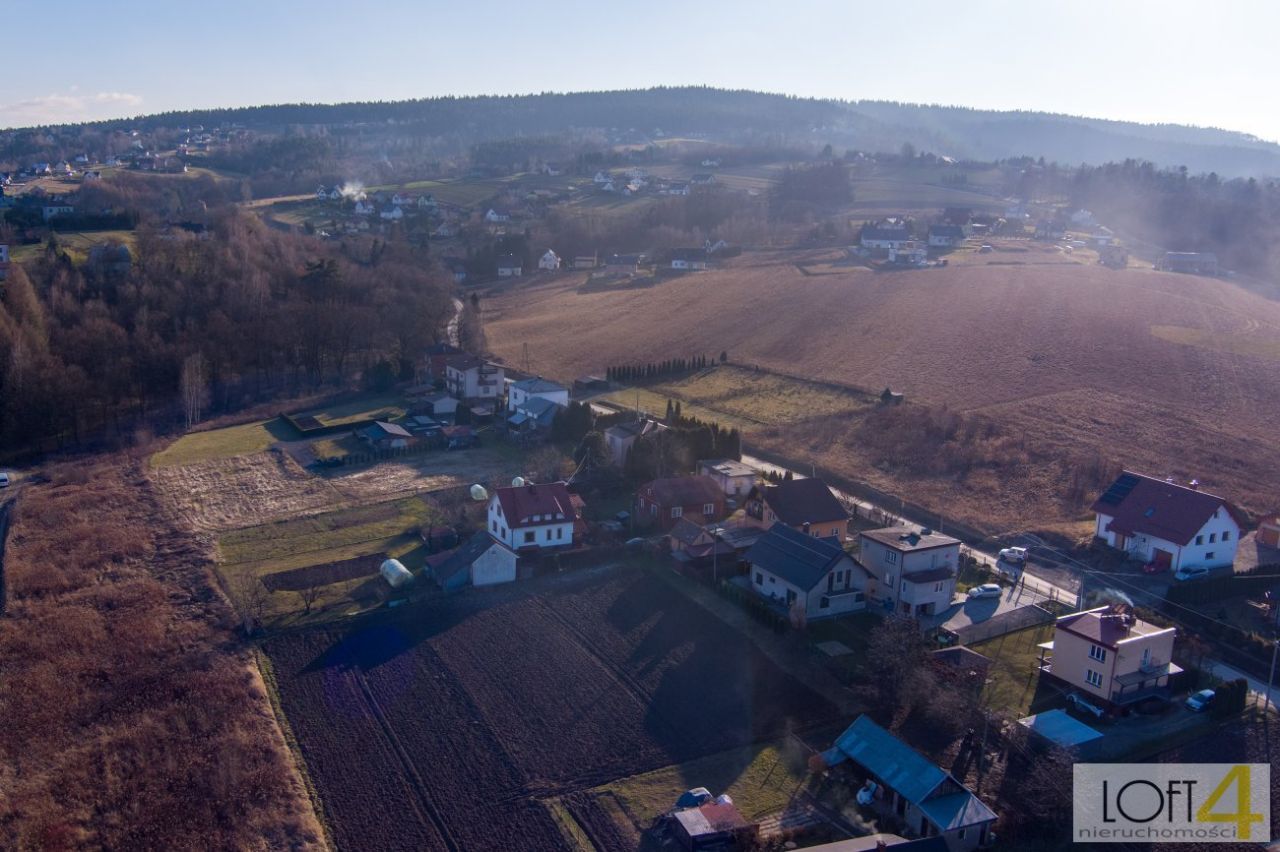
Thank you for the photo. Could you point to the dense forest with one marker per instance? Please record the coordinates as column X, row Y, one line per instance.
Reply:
column 439, row 127
column 237, row 316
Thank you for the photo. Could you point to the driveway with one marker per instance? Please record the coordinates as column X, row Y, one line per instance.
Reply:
column 965, row 611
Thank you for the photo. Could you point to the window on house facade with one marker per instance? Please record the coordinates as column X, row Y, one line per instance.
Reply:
column 1199, row 540
column 493, row 526
column 1093, row 678
column 708, row 508
column 676, row 511
column 1097, row 652
column 1226, row 535
column 891, row 557
column 528, row 537
column 937, row 587
column 1213, row 537
column 560, row 532
column 759, row 579
column 548, row 533
column 1209, row 555
column 824, row 603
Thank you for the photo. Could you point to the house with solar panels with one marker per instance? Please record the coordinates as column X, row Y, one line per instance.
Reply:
column 1167, row 525
column 929, row 801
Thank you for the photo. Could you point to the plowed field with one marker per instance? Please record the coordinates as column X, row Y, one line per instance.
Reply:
column 448, row 726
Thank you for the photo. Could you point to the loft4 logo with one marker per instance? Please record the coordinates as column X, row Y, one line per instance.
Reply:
column 1171, row 802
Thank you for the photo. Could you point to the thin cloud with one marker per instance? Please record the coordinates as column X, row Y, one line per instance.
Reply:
column 73, row 106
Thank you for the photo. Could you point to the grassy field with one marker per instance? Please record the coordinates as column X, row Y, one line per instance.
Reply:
column 1014, row 675
column 222, row 443
column 76, row 243
column 385, row 406
column 389, row 528
column 1041, row 346
column 761, row 779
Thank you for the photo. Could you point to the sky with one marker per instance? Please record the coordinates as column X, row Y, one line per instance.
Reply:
column 1207, row 64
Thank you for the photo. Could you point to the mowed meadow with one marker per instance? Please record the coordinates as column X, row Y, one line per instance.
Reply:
column 1056, row 362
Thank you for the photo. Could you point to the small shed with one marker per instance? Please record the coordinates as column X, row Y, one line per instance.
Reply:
column 1059, row 728
column 481, row 561
column 714, row 825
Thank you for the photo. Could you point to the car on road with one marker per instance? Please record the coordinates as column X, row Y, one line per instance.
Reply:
column 1200, row 701
column 986, row 590
column 4, row 479
column 1191, row 572
column 1014, row 555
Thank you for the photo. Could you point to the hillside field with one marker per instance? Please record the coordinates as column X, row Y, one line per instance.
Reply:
column 1055, row 362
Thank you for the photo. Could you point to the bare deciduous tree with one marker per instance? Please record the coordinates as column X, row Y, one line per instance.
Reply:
column 309, row 595
column 251, row 600
column 194, row 388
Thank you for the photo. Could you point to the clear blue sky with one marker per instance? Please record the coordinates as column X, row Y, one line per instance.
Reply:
column 1173, row 61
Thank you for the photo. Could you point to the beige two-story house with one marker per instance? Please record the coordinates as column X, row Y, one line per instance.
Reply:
column 914, row 573
column 1110, row 654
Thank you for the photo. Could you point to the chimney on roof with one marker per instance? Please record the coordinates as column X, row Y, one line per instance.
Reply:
column 926, row 531
column 806, row 527
column 1194, row 485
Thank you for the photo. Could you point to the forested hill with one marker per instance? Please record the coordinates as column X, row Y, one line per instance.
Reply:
column 743, row 116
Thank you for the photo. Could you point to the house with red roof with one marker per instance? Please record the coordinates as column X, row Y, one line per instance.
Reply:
column 1165, row 524
column 534, row 516
column 664, row 502
column 1110, row 654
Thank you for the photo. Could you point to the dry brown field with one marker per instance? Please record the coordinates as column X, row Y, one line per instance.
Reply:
column 1074, row 363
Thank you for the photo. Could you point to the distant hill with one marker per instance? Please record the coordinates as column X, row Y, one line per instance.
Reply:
column 745, row 116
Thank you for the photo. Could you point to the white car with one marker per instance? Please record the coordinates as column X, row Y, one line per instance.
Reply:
column 986, row 590
column 4, row 480
column 1200, row 700
column 1078, row 702
column 1014, row 555
column 1191, row 572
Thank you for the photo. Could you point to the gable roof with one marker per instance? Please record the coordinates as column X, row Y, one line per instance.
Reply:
column 802, row 560
column 520, row 505
column 1155, row 507
column 800, row 501
column 509, row 261
column 885, row 232
column 634, row 428
column 459, row 559
column 909, row 773
column 538, row 385
column 687, row 532
column 953, row 231
column 685, row 490
column 382, row 429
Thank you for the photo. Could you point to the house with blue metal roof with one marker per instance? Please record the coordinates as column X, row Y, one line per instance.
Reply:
column 929, row 801
column 789, row 565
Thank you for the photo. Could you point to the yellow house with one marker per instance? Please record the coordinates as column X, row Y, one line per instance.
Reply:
column 1111, row 654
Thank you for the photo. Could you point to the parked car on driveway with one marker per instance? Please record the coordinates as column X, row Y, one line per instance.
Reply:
column 1084, row 706
column 986, row 590
column 1200, row 701
column 1191, row 572
column 1155, row 567
column 1014, row 555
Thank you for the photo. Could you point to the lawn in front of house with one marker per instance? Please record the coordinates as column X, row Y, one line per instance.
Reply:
column 761, row 779
column 383, row 406
column 241, row 440
column 1014, row 672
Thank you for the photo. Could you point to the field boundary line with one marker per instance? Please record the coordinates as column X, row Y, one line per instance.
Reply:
column 410, row 771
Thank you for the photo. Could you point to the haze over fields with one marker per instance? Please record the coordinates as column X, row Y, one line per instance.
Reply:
column 1075, row 357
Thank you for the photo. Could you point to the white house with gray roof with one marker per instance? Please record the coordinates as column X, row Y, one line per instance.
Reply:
column 914, row 573
column 789, row 565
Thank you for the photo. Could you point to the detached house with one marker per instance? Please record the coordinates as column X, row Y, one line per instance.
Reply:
column 623, row 436
column 467, row 378
column 1111, row 654
column 482, row 561
column 549, row 261
column 802, row 504
column 665, row 501
column 510, row 266
column 789, row 565
column 530, row 516
column 914, row 573
column 734, row 478
column 929, row 801
column 689, row 258
column 495, row 216
column 884, row 236
column 946, row 236
column 1169, row 525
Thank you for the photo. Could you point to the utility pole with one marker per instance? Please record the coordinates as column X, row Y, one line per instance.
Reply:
column 1275, row 646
